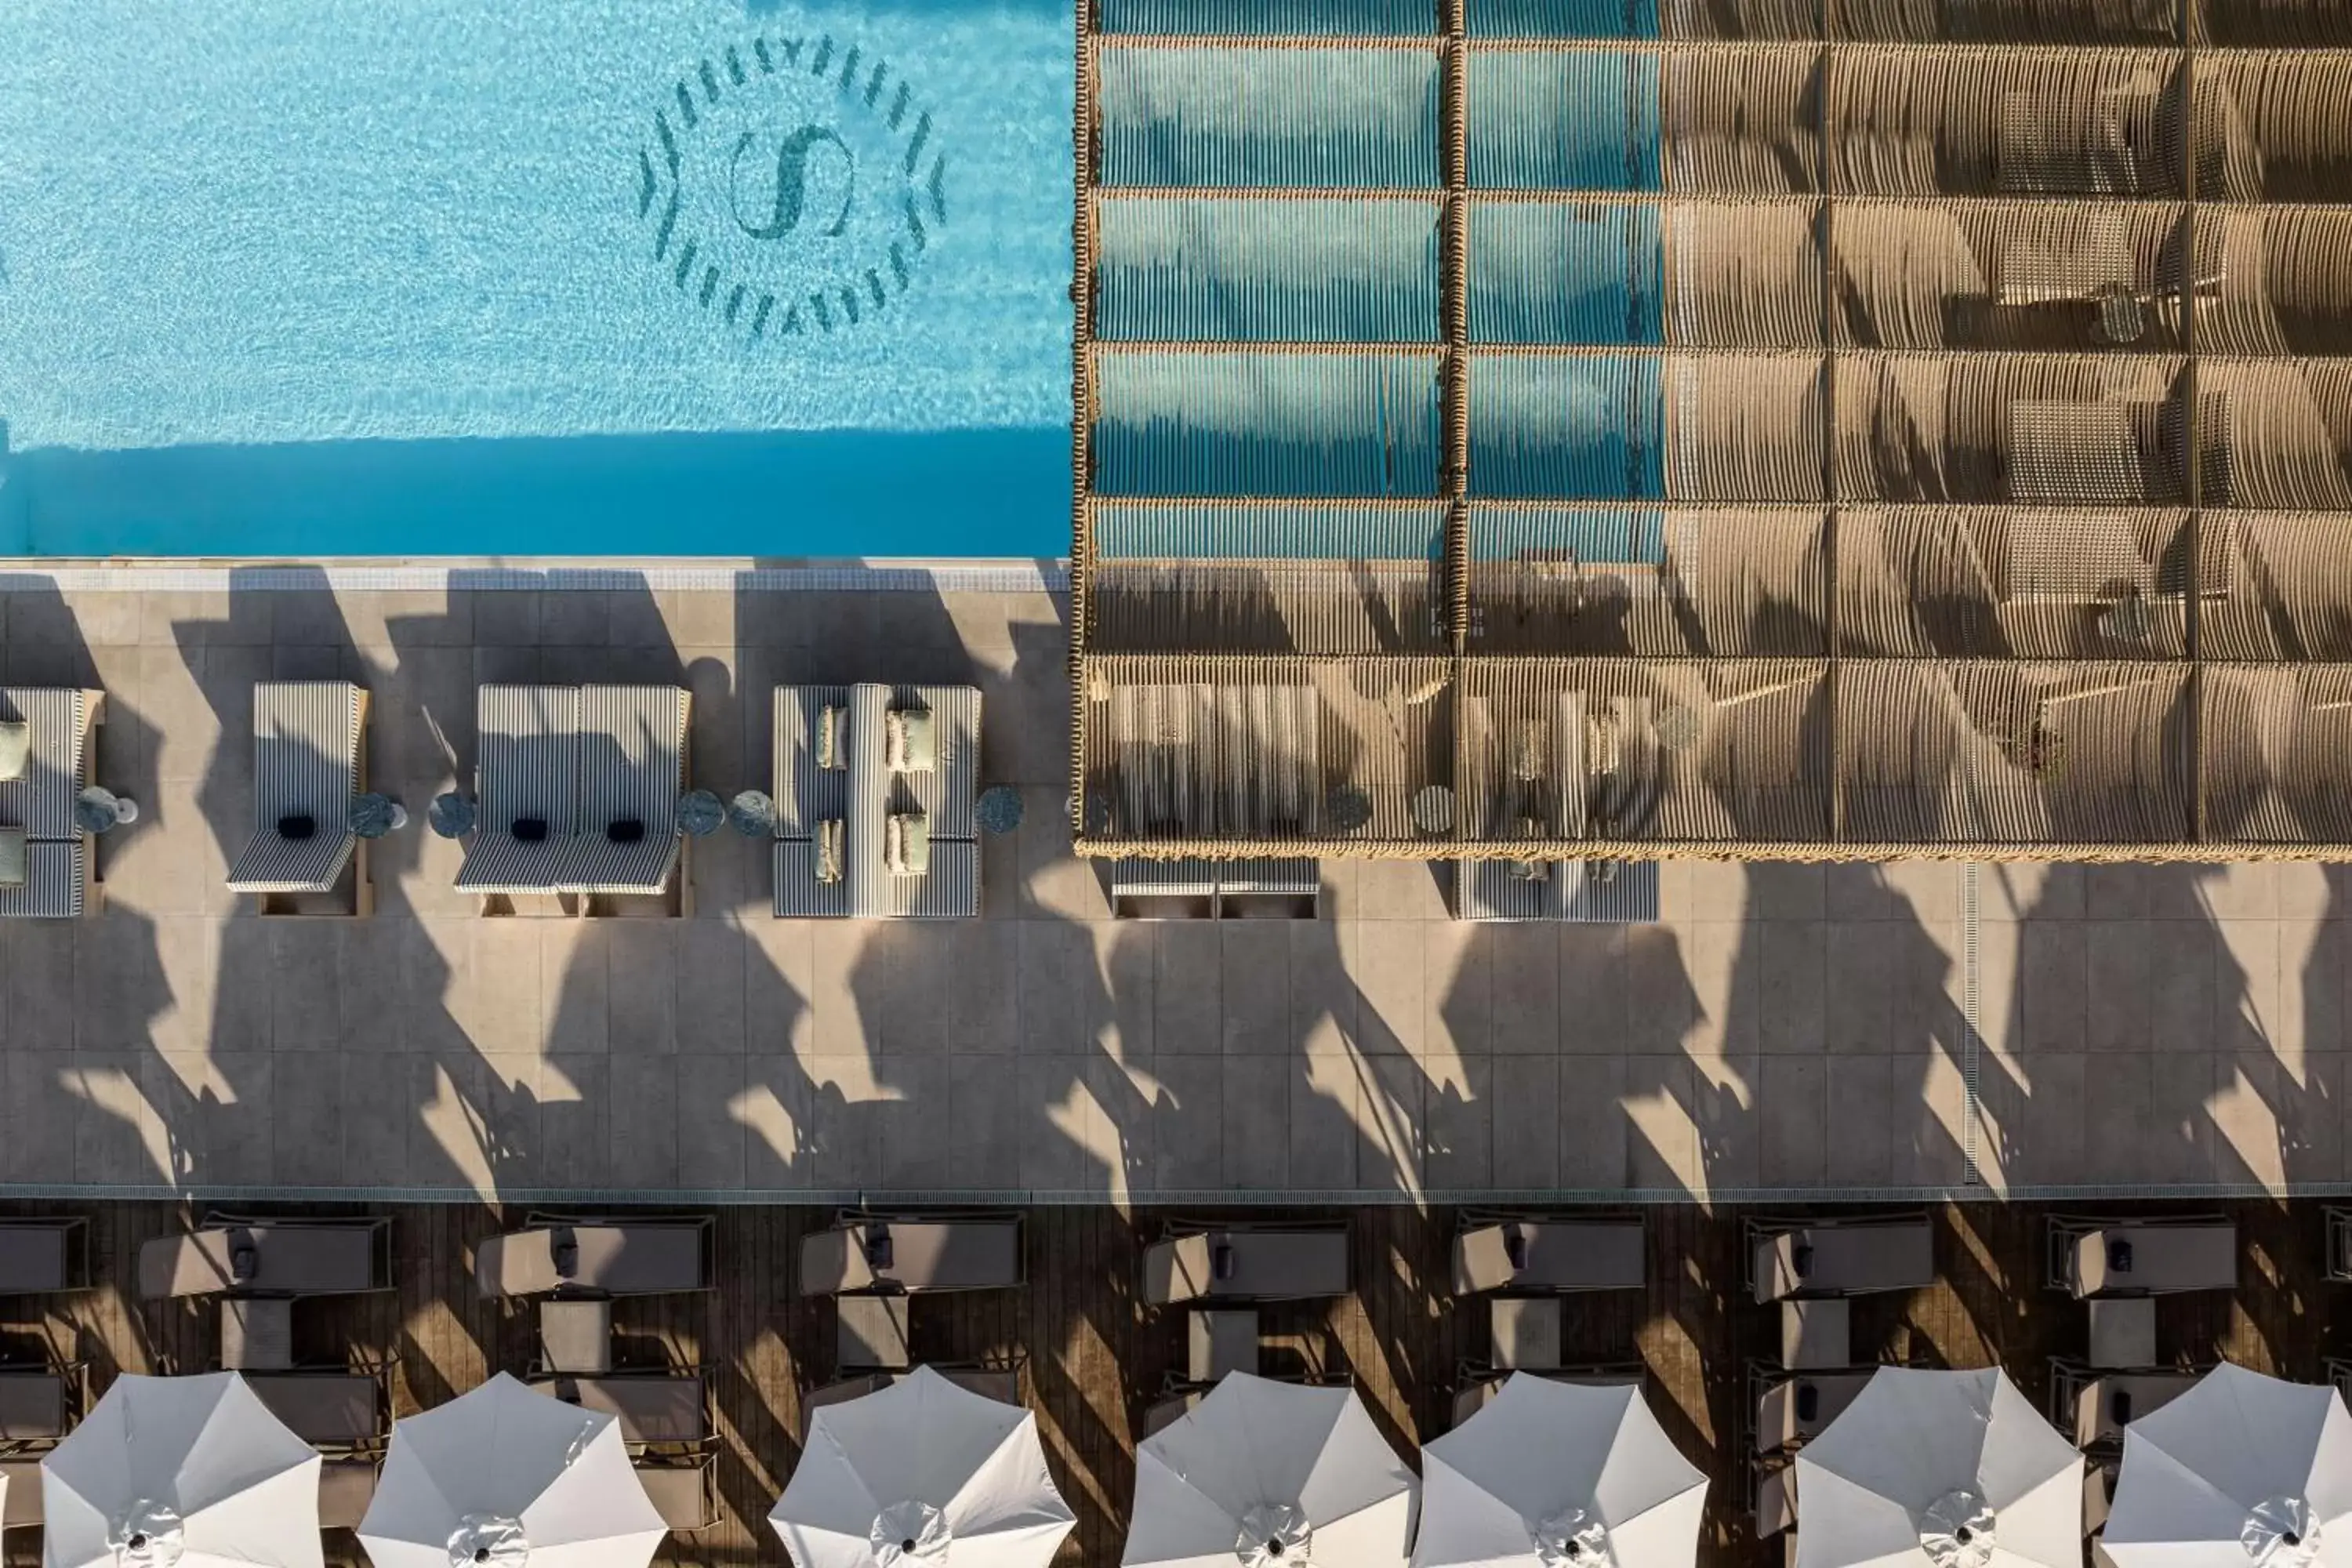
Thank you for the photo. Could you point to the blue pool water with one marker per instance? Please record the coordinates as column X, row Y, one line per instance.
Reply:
column 579, row 277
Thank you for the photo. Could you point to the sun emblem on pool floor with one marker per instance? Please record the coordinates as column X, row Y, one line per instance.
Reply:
column 792, row 186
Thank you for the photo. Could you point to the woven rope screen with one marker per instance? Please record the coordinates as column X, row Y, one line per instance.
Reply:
column 1832, row 428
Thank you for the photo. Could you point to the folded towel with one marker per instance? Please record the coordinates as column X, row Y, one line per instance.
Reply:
column 301, row 824
column 530, row 829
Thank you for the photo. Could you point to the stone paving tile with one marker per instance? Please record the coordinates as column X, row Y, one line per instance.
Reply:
column 1782, row 1026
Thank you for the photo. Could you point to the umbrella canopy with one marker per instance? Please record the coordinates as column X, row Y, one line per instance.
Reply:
column 503, row 1476
column 193, row 1471
column 1271, row 1475
column 1940, row 1469
column 2241, row 1471
column 1555, row 1475
column 922, row 1473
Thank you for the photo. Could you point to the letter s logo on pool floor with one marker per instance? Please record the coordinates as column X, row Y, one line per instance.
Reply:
column 792, row 186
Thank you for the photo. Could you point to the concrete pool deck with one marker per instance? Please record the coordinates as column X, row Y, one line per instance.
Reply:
column 1781, row 1028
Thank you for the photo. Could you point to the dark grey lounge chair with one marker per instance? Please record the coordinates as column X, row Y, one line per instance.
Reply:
column 2143, row 1258
column 655, row 1409
column 872, row 1252
column 597, row 1257
column 38, row 1405
column 1274, row 1263
column 1481, row 1386
column 1773, row 1482
column 1162, row 1414
column 43, row 1257
column 685, row 1493
column 2095, row 1407
column 1793, row 1410
column 346, row 1487
column 269, row 1257
column 1002, row 1383
column 335, row 1411
column 1840, row 1258
column 23, row 1488
column 1536, row 1253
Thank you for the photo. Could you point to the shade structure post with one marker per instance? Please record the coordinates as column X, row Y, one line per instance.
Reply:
column 1271, row 1475
column 180, row 1472
column 2241, row 1471
column 922, row 1474
column 1940, row 1469
column 1557, row 1475
column 504, row 1478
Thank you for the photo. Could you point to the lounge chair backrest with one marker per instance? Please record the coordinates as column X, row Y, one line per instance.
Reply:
column 834, row 1260
column 34, row 1404
column 23, row 1488
column 519, row 1264
column 41, row 801
column 681, row 1494
column 306, row 737
column 529, row 743
column 346, row 1488
column 35, row 1258
column 631, row 767
column 1177, row 1269
column 2105, row 1406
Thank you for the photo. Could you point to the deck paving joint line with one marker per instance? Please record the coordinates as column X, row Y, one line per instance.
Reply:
column 1970, row 1016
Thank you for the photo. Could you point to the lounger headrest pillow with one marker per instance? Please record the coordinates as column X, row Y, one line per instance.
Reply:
column 1809, row 1402
column 566, row 1251
column 1223, row 1262
column 2119, row 1257
column 301, row 824
column 15, row 747
column 1515, row 1247
column 628, row 830
column 2119, row 1407
column 879, row 1253
column 1800, row 1259
column 530, row 829
column 244, row 1262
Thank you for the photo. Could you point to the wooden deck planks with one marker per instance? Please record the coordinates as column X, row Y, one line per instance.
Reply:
column 1094, row 1358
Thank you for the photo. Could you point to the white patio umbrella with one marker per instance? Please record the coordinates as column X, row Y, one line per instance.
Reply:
column 1940, row 1469
column 193, row 1471
column 1550, row 1475
column 1271, row 1475
column 921, row 1473
column 502, row 1476
column 2241, row 1471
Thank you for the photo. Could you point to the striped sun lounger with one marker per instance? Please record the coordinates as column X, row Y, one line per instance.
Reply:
column 38, row 809
column 527, row 769
column 632, row 769
column 306, row 763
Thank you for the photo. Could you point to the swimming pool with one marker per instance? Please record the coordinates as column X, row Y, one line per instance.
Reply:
column 583, row 276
